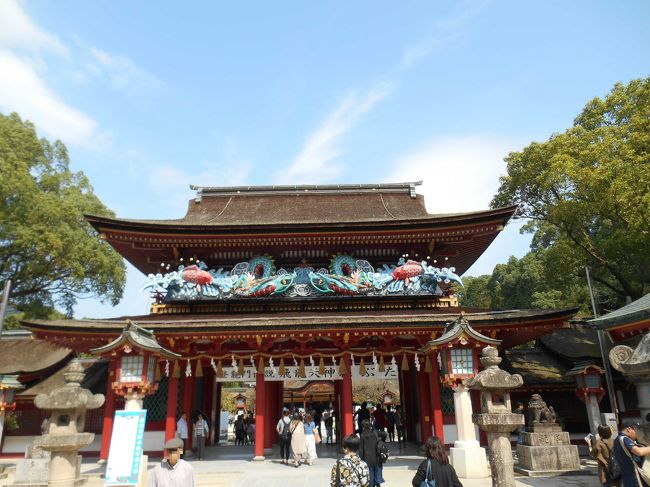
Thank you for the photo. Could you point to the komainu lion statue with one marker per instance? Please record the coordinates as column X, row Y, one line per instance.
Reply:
column 539, row 412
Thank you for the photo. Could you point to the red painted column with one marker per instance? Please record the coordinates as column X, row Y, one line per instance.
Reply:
column 436, row 401
column 172, row 401
column 187, row 389
column 260, row 412
column 109, row 412
column 425, row 405
column 346, row 413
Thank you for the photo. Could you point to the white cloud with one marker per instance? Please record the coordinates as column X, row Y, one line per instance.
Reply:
column 445, row 31
column 321, row 147
column 119, row 70
column 460, row 173
column 18, row 31
column 22, row 90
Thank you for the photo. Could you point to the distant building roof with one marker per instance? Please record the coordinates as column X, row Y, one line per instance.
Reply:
column 536, row 366
column 95, row 380
column 634, row 312
column 29, row 356
column 577, row 342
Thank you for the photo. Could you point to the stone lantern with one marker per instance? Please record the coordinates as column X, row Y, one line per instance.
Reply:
column 496, row 417
column 634, row 364
column 136, row 352
column 589, row 390
column 458, row 347
column 65, row 434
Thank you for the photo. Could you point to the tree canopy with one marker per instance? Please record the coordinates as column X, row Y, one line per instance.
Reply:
column 586, row 193
column 47, row 249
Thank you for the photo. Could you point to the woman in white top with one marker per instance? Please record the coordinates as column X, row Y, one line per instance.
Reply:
column 201, row 431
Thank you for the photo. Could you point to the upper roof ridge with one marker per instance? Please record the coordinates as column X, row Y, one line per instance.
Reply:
column 408, row 187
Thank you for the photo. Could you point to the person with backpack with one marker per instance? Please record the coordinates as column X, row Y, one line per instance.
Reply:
column 600, row 449
column 435, row 469
column 628, row 454
column 368, row 450
column 350, row 471
column 382, row 456
column 285, row 435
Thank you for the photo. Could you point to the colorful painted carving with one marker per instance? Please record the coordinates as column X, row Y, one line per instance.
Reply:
column 258, row 278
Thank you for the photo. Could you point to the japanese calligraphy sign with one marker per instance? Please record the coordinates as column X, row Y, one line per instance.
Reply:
column 311, row 373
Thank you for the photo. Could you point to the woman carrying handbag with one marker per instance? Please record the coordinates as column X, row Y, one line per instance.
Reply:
column 435, row 471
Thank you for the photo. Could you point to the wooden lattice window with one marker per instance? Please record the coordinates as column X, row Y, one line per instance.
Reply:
column 156, row 404
column 447, row 400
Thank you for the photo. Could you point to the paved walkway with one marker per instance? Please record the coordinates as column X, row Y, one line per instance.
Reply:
column 231, row 466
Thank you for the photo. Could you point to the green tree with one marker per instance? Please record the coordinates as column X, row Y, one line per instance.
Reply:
column 47, row 249
column 531, row 282
column 586, row 193
column 475, row 292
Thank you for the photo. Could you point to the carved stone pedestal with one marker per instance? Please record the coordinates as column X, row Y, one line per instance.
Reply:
column 546, row 450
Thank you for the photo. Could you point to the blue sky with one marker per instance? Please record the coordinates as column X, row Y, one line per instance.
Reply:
column 152, row 96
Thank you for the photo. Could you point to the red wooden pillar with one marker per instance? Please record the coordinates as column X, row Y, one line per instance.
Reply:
column 346, row 413
column 436, row 402
column 172, row 401
column 260, row 412
column 425, row 405
column 187, row 386
column 109, row 412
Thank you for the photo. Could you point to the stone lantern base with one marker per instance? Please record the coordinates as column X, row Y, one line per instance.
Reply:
column 546, row 450
column 469, row 459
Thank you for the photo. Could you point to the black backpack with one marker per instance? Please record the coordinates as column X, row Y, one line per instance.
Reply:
column 382, row 452
column 613, row 467
column 285, row 430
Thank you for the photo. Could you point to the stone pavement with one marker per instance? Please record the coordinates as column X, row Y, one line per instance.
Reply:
column 231, row 466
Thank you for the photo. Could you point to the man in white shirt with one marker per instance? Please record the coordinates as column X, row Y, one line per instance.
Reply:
column 181, row 430
column 172, row 471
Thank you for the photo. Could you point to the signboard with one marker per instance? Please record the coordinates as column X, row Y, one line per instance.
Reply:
column 125, row 453
column 331, row 372
column 224, row 416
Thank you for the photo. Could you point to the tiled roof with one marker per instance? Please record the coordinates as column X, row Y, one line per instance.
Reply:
column 636, row 311
column 27, row 355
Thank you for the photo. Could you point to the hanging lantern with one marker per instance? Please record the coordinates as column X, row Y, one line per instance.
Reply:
column 321, row 366
column 282, row 369
column 199, row 369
